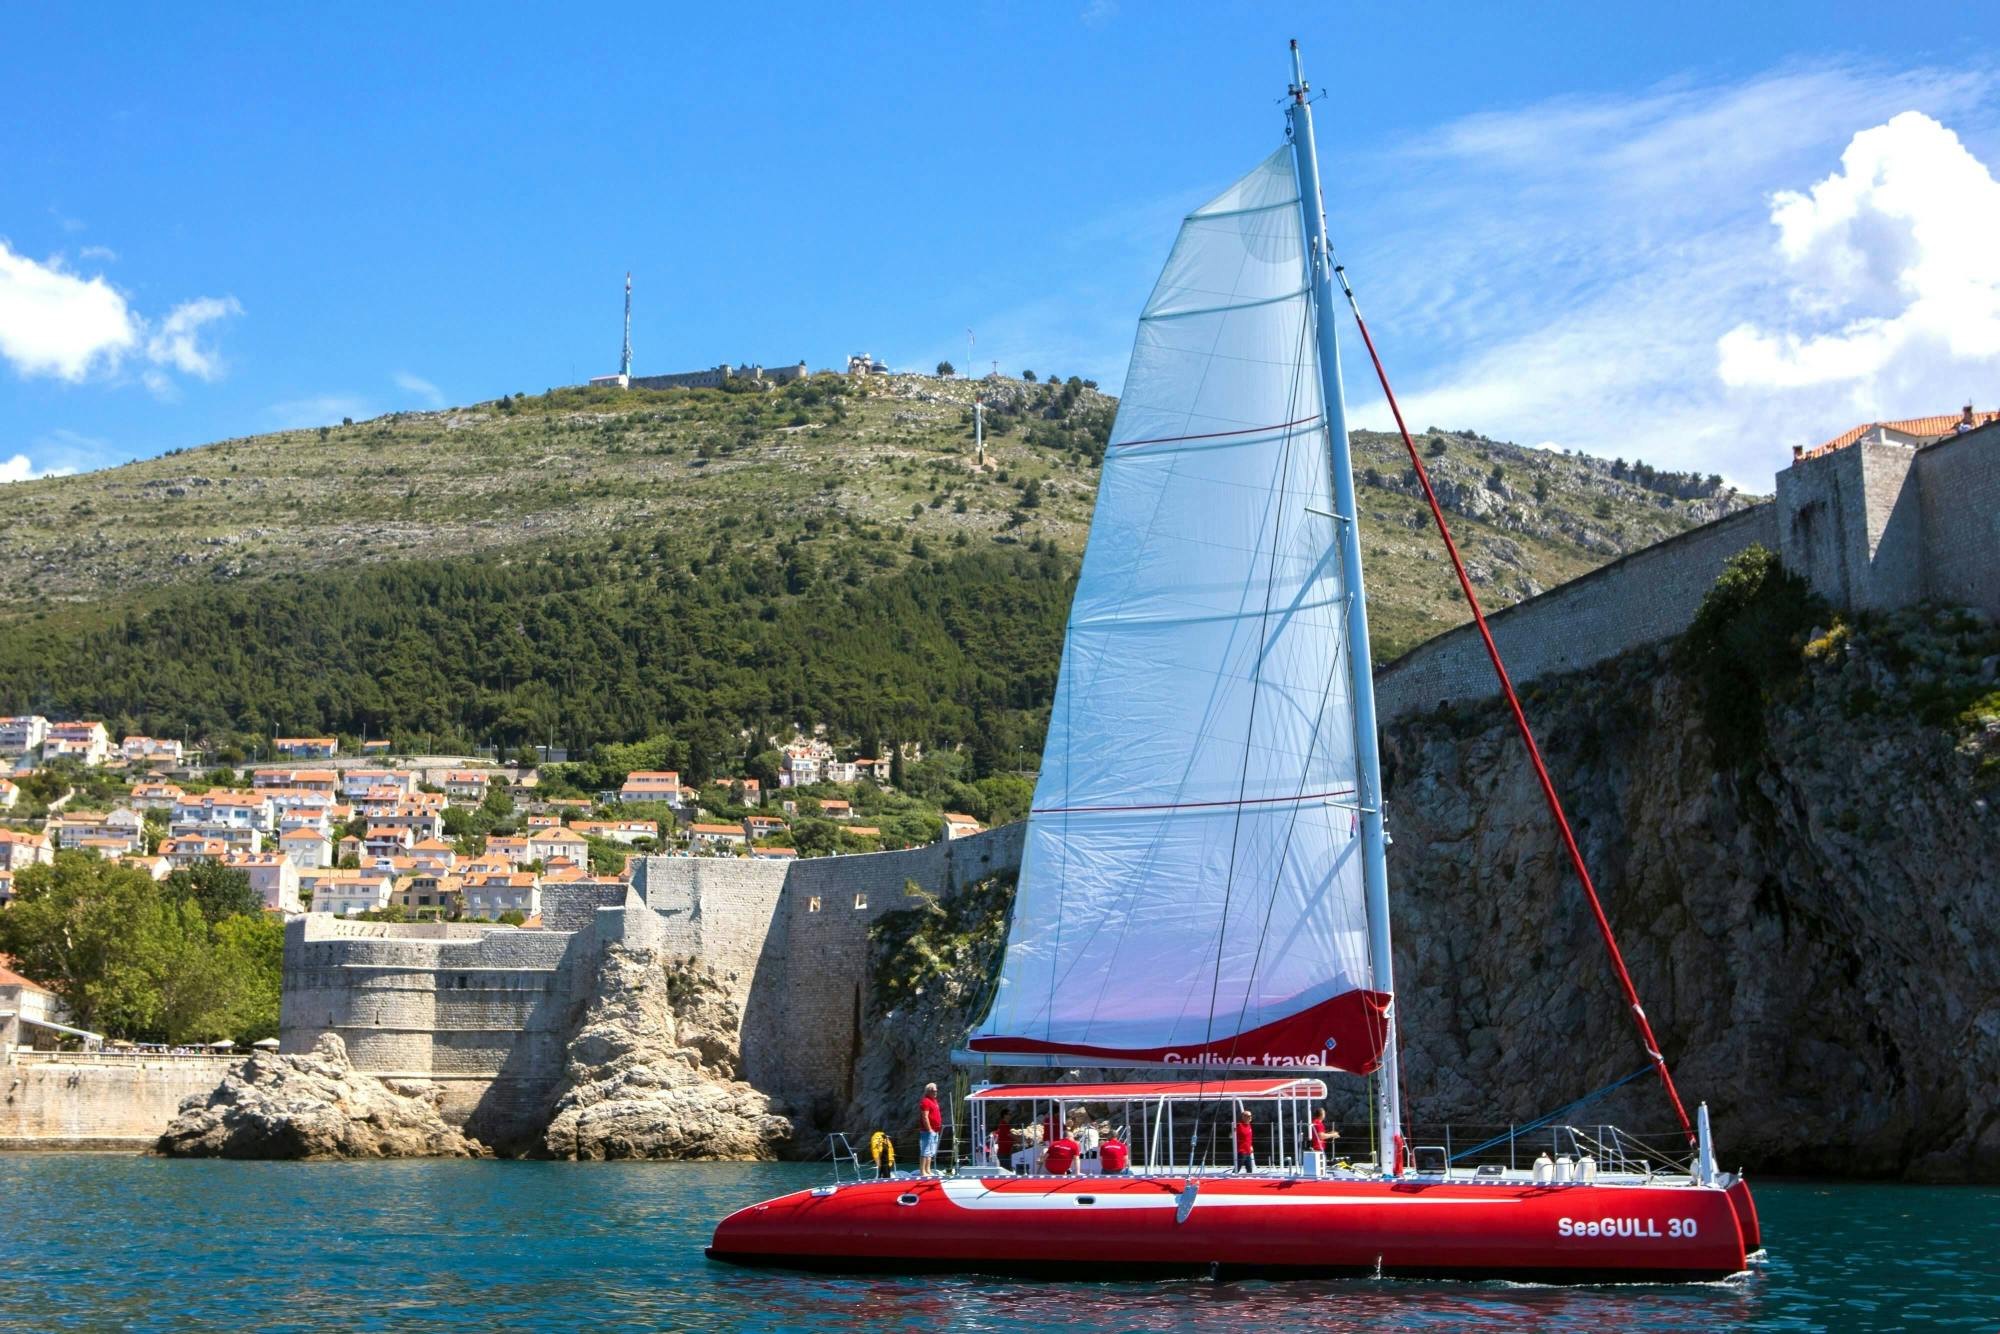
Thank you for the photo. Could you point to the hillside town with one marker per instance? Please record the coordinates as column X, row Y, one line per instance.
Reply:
column 377, row 835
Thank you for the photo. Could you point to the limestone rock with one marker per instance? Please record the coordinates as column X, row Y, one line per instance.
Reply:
column 313, row 1105
column 1812, row 931
column 652, row 1070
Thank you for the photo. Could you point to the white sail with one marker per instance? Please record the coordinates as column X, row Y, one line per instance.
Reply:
column 1191, row 889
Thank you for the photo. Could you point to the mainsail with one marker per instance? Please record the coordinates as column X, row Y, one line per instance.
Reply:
column 1191, row 890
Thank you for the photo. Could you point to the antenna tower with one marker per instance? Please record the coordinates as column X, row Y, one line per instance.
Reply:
column 625, row 359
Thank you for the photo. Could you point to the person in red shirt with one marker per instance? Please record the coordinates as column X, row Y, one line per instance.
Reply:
column 930, row 1120
column 1246, row 1143
column 1318, row 1131
column 1003, row 1141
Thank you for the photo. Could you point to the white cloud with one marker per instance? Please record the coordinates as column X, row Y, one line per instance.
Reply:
column 1097, row 13
column 177, row 342
column 53, row 322
column 1892, row 260
column 68, row 448
column 418, row 385
column 1569, row 271
column 58, row 323
column 103, row 252
column 21, row 469
column 320, row 410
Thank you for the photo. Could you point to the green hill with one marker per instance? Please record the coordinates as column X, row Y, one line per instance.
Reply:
column 594, row 565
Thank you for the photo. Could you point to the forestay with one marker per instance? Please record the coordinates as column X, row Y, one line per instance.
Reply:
column 1191, row 888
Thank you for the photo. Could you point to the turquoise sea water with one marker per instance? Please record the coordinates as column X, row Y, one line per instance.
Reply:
column 90, row 1242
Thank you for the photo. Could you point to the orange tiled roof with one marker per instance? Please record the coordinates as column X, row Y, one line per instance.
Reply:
column 1919, row 426
column 10, row 978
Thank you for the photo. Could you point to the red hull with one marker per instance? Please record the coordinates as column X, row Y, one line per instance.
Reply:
column 1132, row 1227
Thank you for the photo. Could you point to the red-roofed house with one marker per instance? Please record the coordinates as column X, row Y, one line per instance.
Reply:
column 150, row 748
column 627, row 832
column 26, row 1007
column 716, row 836
column 653, row 785
column 306, row 747
column 548, row 844
column 306, row 848
column 184, row 852
column 1910, row 431
column 762, row 826
column 511, row 846
column 18, row 848
column 467, row 787
column 87, row 742
column 958, row 826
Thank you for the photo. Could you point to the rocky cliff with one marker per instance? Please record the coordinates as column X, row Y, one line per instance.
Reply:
column 1792, row 821
column 929, row 972
column 313, row 1105
column 1797, row 841
column 653, row 1069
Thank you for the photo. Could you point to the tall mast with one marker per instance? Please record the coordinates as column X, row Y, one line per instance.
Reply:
column 1361, row 678
column 625, row 359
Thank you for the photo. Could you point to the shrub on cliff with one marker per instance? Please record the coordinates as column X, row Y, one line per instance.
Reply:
column 955, row 940
column 1744, row 645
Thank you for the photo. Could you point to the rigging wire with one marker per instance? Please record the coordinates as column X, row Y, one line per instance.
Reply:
column 1651, row 1044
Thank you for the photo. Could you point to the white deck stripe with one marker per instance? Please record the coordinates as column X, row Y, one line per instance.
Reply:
column 976, row 1195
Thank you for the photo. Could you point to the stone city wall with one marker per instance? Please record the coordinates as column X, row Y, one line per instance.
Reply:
column 1646, row 596
column 111, row 1102
column 1870, row 526
column 483, row 1011
column 1959, row 481
column 480, row 1010
column 791, row 941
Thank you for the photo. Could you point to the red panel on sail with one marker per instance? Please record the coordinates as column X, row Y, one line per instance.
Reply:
column 1344, row 1033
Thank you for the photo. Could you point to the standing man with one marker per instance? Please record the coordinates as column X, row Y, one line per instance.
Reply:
column 1246, row 1143
column 930, row 1120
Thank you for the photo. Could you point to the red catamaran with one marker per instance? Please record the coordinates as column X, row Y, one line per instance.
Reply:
column 1204, row 890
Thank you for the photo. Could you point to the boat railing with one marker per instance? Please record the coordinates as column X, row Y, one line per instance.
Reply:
column 845, row 1159
column 1621, row 1151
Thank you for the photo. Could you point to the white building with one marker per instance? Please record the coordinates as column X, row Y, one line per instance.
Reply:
column 22, row 735
column 275, row 880
column 490, row 895
column 144, row 748
column 220, row 810
column 466, row 787
column 19, row 848
column 306, row 848
column 344, row 893
column 86, row 742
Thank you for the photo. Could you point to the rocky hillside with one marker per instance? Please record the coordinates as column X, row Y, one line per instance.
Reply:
column 1795, row 825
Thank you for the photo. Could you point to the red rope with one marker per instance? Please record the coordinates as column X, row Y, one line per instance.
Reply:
column 1527, row 735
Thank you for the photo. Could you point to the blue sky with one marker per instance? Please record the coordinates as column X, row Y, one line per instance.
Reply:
column 1566, row 221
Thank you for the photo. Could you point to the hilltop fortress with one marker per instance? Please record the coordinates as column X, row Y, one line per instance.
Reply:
column 1878, row 520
